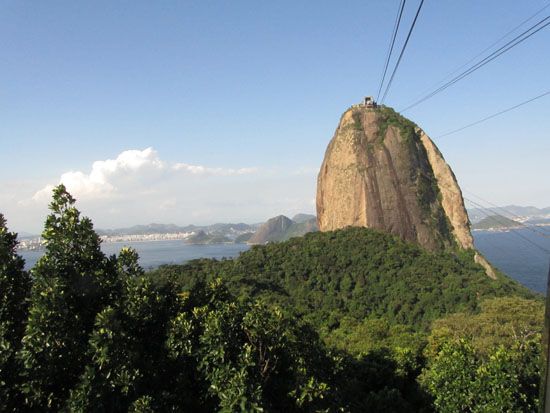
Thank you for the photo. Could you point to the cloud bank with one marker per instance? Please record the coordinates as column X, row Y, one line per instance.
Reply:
column 132, row 170
column 139, row 187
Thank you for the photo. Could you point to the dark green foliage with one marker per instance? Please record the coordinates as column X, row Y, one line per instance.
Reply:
column 377, row 382
column 101, row 336
column 357, row 124
column 367, row 293
column 373, row 334
column 504, row 321
column 489, row 361
column 200, row 351
column 14, row 291
column 72, row 282
column 129, row 362
column 460, row 380
column 356, row 272
column 252, row 356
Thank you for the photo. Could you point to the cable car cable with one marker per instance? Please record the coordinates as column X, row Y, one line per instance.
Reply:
column 392, row 43
column 477, row 122
column 503, row 49
column 440, row 83
column 402, row 51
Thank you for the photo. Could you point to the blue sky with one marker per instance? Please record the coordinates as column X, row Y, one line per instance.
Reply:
column 250, row 92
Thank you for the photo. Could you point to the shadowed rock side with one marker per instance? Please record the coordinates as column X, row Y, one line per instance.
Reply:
column 381, row 171
column 451, row 195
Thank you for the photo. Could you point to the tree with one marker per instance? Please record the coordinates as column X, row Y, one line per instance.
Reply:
column 450, row 379
column 503, row 321
column 128, row 364
column 14, row 291
column 506, row 380
column 73, row 281
column 251, row 357
column 199, row 351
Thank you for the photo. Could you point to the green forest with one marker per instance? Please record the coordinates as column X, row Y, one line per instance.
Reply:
column 353, row 320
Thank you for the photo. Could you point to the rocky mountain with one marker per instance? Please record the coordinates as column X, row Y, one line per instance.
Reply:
column 382, row 171
column 273, row 230
column 277, row 229
column 243, row 238
column 282, row 228
column 299, row 229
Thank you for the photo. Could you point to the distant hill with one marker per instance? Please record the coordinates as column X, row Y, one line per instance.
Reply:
column 279, row 228
column 496, row 222
column 282, row 228
column 298, row 229
column 202, row 237
column 528, row 213
column 243, row 238
column 273, row 230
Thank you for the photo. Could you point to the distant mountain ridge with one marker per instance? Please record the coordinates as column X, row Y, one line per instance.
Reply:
column 279, row 228
column 496, row 222
column 172, row 229
column 525, row 213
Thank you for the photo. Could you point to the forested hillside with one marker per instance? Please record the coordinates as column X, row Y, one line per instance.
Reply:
column 352, row 320
column 355, row 272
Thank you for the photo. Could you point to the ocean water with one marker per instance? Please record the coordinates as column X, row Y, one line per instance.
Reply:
column 513, row 253
column 508, row 251
column 155, row 253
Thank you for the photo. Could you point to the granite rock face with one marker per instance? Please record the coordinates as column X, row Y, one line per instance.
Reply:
column 381, row 171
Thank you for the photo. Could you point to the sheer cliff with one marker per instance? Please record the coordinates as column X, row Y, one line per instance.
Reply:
column 382, row 171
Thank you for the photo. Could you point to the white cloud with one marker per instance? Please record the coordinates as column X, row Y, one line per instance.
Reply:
column 132, row 170
column 139, row 187
column 106, row 177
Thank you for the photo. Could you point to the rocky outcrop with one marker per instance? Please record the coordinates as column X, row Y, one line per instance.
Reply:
column 489, row 270
column 282, row 228
column 381, row 171
column 273, row 230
